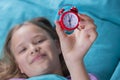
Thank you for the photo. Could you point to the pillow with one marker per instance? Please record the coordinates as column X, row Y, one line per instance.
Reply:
column 103, row 57
column 116, row 73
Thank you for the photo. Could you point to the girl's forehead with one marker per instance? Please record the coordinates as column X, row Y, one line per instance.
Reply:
column 28, row 29
column 27, row 32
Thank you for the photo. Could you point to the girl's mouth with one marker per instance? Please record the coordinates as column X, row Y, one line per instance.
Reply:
column 37, row 57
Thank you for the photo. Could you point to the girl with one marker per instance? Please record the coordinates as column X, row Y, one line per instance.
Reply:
column 34, row 48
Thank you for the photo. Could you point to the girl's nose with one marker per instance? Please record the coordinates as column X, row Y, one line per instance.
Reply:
column 34, row 50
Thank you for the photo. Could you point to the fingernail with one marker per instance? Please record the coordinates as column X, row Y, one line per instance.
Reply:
column 82, row 27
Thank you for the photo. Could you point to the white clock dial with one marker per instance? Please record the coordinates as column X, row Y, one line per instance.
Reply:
column 70, row 20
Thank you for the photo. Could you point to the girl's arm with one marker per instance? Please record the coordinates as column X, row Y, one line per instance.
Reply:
column 76, row 45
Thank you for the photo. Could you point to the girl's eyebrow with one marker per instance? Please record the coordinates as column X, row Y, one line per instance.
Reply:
column 37, row 36
column 21, row 43
column 17, row 46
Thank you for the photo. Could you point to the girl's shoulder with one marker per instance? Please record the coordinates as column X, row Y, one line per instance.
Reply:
column 92, row 77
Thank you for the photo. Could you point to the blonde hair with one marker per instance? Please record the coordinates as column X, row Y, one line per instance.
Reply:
column 8, row 67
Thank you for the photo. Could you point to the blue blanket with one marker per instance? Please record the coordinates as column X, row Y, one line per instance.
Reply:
column 48, row 77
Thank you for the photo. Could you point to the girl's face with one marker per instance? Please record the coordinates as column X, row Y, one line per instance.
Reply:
column 35, row 52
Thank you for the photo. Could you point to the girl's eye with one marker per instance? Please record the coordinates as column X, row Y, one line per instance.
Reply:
column 22, row 50
column 40, row 41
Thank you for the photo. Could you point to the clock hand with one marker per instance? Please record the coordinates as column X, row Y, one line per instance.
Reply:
column 69, row 22
column 70, row 19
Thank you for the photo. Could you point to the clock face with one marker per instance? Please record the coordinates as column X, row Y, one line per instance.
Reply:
column 70, row 20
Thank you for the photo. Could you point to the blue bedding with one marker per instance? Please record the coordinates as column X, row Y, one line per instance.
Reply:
column 103, row 57
column 48, row 77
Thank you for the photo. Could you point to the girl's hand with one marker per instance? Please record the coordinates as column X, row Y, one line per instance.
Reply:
column 76, row 45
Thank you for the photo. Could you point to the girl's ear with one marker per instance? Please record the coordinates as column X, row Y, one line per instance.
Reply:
column 58, row 46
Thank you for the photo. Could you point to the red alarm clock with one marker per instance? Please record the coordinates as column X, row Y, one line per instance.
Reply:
column 69, row 20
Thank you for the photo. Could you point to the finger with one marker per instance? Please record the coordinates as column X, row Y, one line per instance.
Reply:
column 86, row 25
column 80, row 27
column 59, row 30
column 86, row 22
column 90, row 26
column 85, row 18
column 92, row 33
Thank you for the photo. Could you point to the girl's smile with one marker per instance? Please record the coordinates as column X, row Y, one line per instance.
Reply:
column 38, row 57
